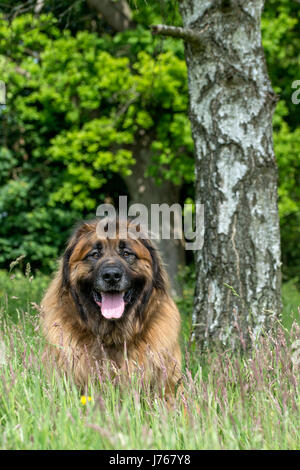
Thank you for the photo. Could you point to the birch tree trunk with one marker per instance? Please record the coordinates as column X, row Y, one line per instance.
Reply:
column 231, row 108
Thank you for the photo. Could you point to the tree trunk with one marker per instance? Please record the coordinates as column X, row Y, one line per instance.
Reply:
column 116, row 13
column 231, row 107
column 145, row 191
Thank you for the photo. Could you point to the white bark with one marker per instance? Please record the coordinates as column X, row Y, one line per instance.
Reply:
column 231, row 107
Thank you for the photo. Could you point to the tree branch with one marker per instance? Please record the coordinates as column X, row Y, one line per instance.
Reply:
column 116, row 13
column 38, row 7
column 189, row 35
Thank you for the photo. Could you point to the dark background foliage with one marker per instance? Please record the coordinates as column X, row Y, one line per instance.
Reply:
column 81, row 95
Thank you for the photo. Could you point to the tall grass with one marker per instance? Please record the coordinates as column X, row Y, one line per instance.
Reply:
column 228, row 401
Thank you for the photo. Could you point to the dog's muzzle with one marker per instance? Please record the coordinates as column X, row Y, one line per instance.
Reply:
column 110, row 288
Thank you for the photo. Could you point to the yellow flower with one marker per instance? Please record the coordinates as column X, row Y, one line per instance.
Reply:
column 84, row 399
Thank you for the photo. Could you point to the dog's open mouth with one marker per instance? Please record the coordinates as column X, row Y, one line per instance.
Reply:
column 112, row 304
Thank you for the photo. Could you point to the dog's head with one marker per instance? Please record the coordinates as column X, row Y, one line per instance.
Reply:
column 110, row 277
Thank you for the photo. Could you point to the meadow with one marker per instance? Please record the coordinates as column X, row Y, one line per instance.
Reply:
column 230, row 401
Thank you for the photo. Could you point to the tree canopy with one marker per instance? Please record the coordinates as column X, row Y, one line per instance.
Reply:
column 80, row 95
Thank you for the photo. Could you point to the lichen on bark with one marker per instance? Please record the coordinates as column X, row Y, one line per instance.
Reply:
column 231, row 108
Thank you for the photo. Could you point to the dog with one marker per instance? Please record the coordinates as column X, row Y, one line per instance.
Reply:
column 110, row 300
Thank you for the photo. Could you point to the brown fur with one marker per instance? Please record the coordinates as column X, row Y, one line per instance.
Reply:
column 81, row 338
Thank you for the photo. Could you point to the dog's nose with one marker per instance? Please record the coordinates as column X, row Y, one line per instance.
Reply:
column 112, row 275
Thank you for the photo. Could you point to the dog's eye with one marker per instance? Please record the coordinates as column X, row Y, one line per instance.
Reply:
column 127, row 253
column 94, row 254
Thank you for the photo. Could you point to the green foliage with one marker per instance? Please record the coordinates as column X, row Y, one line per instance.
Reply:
column 281, row 30
column 76, row 107
column 287, row 147
column 19, row 292
column 81, row 104
column 291, row 303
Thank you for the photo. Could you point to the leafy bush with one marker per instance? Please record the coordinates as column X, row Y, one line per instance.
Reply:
column 74, row 120
column 81, row 105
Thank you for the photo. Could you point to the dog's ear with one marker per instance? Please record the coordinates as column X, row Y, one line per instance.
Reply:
column 159, row 274
column 80, row 229
column 66, row 266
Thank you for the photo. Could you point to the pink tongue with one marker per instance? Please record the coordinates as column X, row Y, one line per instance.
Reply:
column 112, row 305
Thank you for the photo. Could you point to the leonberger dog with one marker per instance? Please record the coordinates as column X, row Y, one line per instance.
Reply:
column 110, row 301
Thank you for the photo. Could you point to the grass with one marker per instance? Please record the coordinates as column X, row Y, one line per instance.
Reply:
column 229, row 401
